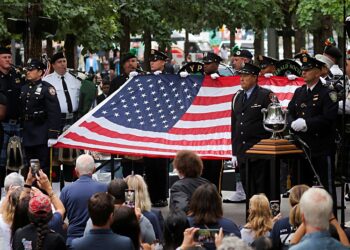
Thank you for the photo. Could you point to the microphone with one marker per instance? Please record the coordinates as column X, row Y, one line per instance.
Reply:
column 297, row 138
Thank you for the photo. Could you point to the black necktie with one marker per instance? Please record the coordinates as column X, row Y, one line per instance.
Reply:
column 245, row 97
column 66, row 93
column 309, row 92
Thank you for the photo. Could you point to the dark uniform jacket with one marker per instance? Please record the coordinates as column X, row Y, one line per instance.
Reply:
column 41, row 113
column 320, row 112
column 247, row 120
column 117, row 82
column 10, row 86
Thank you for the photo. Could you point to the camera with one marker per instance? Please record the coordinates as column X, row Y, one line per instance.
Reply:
column 130, row 198
column 205, row 236
column 34, row 166
column 275, row 207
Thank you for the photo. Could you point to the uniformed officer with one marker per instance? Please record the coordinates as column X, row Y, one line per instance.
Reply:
column 312, row 116
column 247, row 127
column 267, row 65
column 156, row 169
column 129, row 64
column 10, row 85
column 68, row 91
column 240, row 57
column 40, row 114
column 67, row 87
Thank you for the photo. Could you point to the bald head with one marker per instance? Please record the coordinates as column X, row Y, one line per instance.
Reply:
column 85, row 165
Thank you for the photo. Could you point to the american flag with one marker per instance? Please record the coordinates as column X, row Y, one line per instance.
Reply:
column 158, row 115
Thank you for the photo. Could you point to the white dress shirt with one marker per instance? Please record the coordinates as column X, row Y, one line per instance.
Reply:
column 73, row 85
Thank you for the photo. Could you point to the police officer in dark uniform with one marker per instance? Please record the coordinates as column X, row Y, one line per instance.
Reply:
column 247, row 128
column 10, row 86
column 267, row 65
column 41, row 114
column 212, row 169
column 239, row 58
column 156, row 169
column 312, row 116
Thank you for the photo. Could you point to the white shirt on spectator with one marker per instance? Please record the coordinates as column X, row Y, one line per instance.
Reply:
column 5, row 234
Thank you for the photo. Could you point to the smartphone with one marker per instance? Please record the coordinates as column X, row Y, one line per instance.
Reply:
column 34, row 166
column 275, row 207
column 205, row 236
column 130, row 198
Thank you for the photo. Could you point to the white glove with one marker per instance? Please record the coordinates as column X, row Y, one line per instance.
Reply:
column 157, row 72
column 184, row 74
column 51, row 142
column 234, row 161
column 299, row 125
column 214, row 76
column 132, row 74
column 291, row 77
column 268, row 75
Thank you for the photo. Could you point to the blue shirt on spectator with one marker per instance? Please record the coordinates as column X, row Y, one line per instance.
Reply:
column 102, row 239
column 75, row 197
column 318, row 241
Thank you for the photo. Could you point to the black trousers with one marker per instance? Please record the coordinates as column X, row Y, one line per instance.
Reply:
column 156, row 175
column 259, row 179
column 212, row 171
column 324, row 167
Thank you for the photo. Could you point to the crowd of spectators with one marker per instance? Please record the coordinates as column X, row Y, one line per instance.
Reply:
column 91, row 215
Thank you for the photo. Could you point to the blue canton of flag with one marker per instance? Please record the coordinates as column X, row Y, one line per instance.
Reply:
column 151, row 102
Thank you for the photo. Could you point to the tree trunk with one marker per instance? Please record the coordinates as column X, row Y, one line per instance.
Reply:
column 321, row 35
column 70, row 48
column 258, row 43
column 49, row 47
column 125, row 38
column 35, row 44
column 317, row 41
column 147, row 40
column 187, row 45
column 341, row 47
column 299, row 42
column 232, row 37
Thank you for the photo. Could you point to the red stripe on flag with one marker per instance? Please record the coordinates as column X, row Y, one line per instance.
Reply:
column 206, row 116
column 198, row 131
column 94, row 127
column 208, row 100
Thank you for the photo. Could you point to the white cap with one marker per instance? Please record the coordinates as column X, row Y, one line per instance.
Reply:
column 329, row 63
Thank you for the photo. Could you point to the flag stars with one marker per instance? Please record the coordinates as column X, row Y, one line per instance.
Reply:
column 172, row 111
column 154, row 125
column 150, row 114
column 150, row 86
column 167, row 100
column 141, row 88
column 174, row 89
column 129, row 120
column 160, row 81
column 188, row 96
column 130, row 88
column 135, row 104
column 186, row 90
column 137, row 111
column 140, row 117
column 158, row 105
column 176, row 95
column 179, row 101
column 166, row 126
column 162, row 88
column 182, row 107
column 104, row 112
column 133, row 97
column 113, row 103
column 152, row 120
column 169, row 106
column 143, row 95
column 145, row 102
column 123, row 100
column 171, row 83
column 125, row 106
column 114, row 108
column 195, row 84
column 127, row 113
column 174, row 117
column 116, row 114
column 149, row 80
column 183, row 83
column 148, row 108
column 165, row 95
column 155, row 99
column 141, row 123
column 160, row 111
column 153, row 92
column 137, row 80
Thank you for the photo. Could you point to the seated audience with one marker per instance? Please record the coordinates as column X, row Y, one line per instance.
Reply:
column 284, row 229
column 101, row 207
column 189, row 167
column 262, row 243
column 143, row 202
column 117, row 188
column 259, row 219
column 316, row 211
column 231, row 242
column 76, row 195
column 37, row 234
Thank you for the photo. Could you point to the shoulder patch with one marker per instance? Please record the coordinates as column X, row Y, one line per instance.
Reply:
column 52, row 91
column 333, row 95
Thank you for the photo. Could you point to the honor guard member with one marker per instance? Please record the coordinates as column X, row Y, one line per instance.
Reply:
column 129, row 64
column 333, row 53
column 247, row 128
column 156, row 169
column 68, row 91
column 267, row 65
column 10, row 85
column 312, row 116
column 67, row 87
column 40, row 114
column 212, row 169
column 240, row 57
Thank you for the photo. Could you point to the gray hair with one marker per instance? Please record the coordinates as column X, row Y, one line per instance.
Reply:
column 233, row 243
column 85, row 164
column 13, row 179
column 316, row 205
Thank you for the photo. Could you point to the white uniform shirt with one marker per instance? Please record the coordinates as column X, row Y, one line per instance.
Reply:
column 73, row 86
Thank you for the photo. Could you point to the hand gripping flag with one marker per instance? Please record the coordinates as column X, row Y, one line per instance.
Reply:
column 158, row 115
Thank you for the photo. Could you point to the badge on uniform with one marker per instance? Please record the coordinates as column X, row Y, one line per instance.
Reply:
column 303, row 105
column 52, row 91
column 38, row 90
column 17, row 80
column 333, row 95
column 255, row 106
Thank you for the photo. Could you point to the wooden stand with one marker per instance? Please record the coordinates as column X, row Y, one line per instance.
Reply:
column 274, row 147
